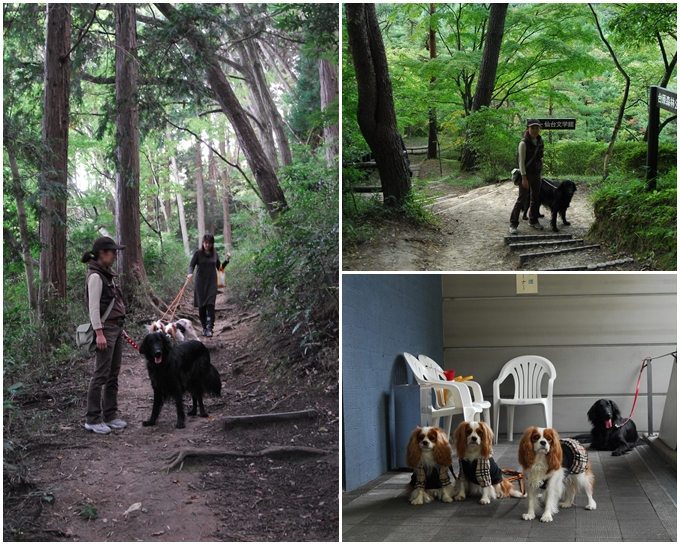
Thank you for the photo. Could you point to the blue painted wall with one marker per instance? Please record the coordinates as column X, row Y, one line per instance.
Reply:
column 383, row 315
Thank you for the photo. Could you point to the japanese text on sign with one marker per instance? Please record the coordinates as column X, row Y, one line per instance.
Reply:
column 563, row 124
column 667, row 100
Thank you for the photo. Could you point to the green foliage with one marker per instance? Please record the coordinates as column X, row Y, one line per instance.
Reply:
column 291, row 270
column 493, row 137
column 88, row 512
column 640, row 221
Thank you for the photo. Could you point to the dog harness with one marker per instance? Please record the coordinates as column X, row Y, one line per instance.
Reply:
column 574, row 456
column 481, row 471
column 428, row 477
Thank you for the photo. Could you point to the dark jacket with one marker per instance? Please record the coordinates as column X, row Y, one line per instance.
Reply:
column 110, row 289
column 205, row 279
column 535, row 166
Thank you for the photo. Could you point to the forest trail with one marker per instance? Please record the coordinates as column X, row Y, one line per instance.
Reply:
column 470, row 236
column 211, row 498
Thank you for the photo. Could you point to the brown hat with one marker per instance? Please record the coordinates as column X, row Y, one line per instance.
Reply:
column 532, row 121
column 105, row 243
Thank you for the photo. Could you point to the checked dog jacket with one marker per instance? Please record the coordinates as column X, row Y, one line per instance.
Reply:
column 481, row 471
column 574, row 456
column 431, row 480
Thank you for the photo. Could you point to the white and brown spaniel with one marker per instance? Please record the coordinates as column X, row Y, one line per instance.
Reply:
column 479, row 473
column 180, row 330
column 554, row 464
column 429, row 454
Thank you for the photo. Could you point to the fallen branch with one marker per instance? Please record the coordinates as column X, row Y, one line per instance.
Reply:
column 178, row 457
column 230, row 421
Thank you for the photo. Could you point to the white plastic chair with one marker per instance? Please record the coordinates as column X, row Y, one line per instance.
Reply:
column 528, row 372
column 440, row 398
column 478, row 401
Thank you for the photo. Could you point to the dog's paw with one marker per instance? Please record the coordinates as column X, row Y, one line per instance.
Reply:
column 565, row 505
column 148, row 423
column 591, row 506
column 547, row 517
column 204, row 415
column 566, row 223
column 484, row 501
column 555, row 230
column 459, row 497
column 192, row 413
column 446, row 498
column 528, row 516
column 180, row 425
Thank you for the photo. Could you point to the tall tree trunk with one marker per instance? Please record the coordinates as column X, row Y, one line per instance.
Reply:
column 328, row 79
column 180, row 208
column 213, row 177
column 376, row 117
column 432, row 138
column 55, row 124
column 265, row 175
column 624, row 100
column 487, row 71
column 226, row 227
column 130, row 264
column 200, row 193
column 19, row 194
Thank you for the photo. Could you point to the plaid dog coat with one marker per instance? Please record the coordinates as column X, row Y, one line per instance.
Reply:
column 574, row 456
column 481, row 471
column 429, row 478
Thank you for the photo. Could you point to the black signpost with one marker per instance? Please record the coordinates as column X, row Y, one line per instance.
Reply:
column 658, row 98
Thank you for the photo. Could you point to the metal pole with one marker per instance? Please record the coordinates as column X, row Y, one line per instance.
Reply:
column 650, row 401
column 652, row 137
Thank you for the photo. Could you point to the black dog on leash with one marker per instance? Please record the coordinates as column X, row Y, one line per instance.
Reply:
column 609, row 431
column 174, row 370
column 556, row 196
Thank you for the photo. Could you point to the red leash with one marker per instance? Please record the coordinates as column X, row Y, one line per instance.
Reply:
column 645, row 362
column 133, row 343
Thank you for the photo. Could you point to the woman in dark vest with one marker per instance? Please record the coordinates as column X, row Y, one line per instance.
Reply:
column 530, row 165
column 205, row 285
column 102, row 288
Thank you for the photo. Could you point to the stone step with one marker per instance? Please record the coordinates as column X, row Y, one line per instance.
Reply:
column 594, row 266
column 528, row 238
column 523, row 258
column 530, row 245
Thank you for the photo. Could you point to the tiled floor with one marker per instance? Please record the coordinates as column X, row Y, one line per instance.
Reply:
column 635, row 495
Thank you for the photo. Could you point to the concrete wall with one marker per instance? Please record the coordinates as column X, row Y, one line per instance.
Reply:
column 382, row 317
column 595, row 328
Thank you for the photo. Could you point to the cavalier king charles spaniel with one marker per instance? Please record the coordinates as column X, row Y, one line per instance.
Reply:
column 479, row 473
column 553, row 463
column 429, row 454
column 180, row 330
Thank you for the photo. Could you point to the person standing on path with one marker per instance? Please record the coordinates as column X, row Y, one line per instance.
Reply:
column 530, row 153
column 102, row 289
column 205, row 285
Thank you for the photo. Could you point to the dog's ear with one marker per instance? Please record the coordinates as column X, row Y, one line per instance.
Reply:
column 615, row 408
column 144, row 347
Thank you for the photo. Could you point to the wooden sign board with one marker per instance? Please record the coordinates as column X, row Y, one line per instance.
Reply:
column 668, row 100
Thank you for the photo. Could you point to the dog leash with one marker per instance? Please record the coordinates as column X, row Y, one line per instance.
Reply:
column 175, row 302
column 129, row 339
column 645, row 363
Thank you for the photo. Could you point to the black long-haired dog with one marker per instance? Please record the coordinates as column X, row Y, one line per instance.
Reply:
column 174, row 370
column 556, row 196
column 607, row 432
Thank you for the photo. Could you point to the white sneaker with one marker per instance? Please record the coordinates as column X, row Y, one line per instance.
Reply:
column 537, row 226
column 116, row 424
column 513, row 230
column 98, row 428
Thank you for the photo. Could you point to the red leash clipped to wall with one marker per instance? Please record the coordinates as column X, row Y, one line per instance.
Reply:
column 645, row 363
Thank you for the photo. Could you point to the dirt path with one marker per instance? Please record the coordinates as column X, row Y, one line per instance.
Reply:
column 471, row 235
column 210, row 499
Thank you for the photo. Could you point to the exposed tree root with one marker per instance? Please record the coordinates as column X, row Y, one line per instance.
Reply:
column 178, row 457
column 230, row 421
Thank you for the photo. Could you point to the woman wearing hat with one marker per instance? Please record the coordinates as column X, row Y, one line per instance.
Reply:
column 102, row 289
column 530, row 166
